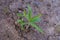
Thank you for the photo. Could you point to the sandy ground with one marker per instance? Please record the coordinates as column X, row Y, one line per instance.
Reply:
column 50, row 20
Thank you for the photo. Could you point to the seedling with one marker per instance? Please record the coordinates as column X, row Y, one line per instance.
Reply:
column 31, row 20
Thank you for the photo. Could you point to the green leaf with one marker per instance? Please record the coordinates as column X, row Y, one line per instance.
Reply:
column 19, row 14
column 29, row 12
column 36, row 27
column 36, row 19
column 24, row 13
column 19, row 21
column 22, row 28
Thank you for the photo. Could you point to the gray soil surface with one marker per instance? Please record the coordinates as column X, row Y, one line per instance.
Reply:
column 50, row 19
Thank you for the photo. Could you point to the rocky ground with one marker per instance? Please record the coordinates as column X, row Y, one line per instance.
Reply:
column 50, row 20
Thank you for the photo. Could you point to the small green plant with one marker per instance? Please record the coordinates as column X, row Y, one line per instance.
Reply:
column 31, row 21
